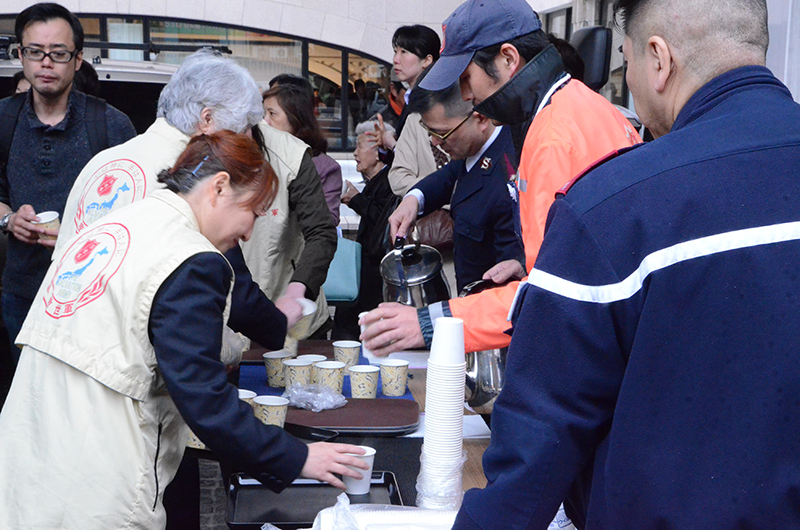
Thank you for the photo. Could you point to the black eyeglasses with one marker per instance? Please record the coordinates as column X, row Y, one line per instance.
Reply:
column 445, row 136
column 57, row 56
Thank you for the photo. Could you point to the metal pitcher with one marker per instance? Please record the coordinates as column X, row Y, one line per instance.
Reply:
column 486, row 370
column 413, row 275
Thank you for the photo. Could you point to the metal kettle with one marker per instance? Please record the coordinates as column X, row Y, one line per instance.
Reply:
column 486, row 370
column 413, row 275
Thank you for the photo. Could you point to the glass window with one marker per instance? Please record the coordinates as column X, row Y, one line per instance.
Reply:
column 127, row 31
column 265, row 56
column 368, row 92
column 325, row 74
column 91, row 32
column 559, row 23
column 8, row 50
column 7, row 25
column 615, row 90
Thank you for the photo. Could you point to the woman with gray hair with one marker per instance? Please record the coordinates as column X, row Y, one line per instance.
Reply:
column 374, row 205
column 207, row 93
column 210, row 91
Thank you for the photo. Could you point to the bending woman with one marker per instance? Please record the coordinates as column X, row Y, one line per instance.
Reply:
column 123, row 344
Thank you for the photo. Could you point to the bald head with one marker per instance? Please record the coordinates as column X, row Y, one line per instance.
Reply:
column 709, row 37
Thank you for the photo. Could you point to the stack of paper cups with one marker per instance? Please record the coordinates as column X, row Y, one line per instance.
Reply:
column 439, row 484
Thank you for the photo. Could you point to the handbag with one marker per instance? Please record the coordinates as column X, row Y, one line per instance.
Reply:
column 344, row 273
column 436, row 230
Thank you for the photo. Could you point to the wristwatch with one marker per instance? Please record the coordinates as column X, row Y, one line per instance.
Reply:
column 4, row 222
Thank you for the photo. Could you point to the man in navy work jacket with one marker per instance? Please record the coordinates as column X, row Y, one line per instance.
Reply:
column 656, row 342
column 475, row 184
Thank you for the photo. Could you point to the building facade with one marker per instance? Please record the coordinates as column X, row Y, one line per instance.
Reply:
column 336, row 42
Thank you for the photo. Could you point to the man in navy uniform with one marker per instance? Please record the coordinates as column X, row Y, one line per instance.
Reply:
column 475, row 184
column 656, row 340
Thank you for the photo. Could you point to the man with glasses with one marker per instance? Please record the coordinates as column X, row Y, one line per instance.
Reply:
column 52, row 133
column 475, row 184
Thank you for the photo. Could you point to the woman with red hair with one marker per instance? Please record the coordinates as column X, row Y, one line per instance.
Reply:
column 121, row 356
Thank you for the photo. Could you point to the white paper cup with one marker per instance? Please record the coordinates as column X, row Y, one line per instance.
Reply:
column 364, row 350
column 273, row 360
column 313, row 357
column 360, row 486
column 49, row 221
column 297, row 372
column 447, row 348
column 330, row 374
column 394, row 376
column 300, row 330
column 247, row 396
column 271, row 410
column 364, row 382
column 347, row 351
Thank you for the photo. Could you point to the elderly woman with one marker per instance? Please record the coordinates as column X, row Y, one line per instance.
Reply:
column 290, row 109
column 121, row 350
column 374, row 205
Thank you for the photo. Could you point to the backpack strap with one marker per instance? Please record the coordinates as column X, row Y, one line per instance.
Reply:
column 96, row 123
column 8, row 124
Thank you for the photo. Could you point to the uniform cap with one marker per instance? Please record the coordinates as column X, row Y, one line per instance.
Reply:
column 473, row 26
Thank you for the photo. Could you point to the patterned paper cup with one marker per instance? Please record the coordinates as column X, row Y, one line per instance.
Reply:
column 271, row 410
column 296, row 372
column 347, row 351
column 194, row 442
column 301, row 329
column 247, row 396
column 48, row 221
column 273, row 360
column 364, row 382
column 314, row 358
column 330, row 374
column 394, row 375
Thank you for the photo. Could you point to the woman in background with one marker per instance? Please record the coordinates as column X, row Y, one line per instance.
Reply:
column 289, row 108
column 374, row 205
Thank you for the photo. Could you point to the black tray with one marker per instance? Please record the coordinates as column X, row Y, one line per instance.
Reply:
column 311, row 434
column 251, row 504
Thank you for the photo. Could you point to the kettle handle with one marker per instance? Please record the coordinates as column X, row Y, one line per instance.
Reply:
column 400, row 241
column 415, row 237
column 478, row 286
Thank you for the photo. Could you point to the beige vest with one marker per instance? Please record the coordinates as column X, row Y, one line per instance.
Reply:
column 277, row 240
column 112, row 271
column 92, row 313
column 119, row 176
column 128, row 172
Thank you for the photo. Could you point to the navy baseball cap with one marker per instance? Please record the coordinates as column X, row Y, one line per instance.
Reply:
column 473, row 26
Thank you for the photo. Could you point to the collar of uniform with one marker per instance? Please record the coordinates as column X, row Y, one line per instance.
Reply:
column 179, row 203
column 472, row 160
column 519, row 99
column 745, row 77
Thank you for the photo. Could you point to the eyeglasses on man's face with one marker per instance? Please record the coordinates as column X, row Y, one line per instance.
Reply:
column 445, row 136
column 57, row 56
